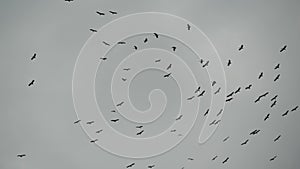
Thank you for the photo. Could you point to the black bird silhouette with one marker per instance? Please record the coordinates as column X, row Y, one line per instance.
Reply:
column 230, row 94
column 213, row 83
column 93, row 30
column 105, row 43
column 31, row 83
column 188, row 26
column 260, row 75
column 213, row 122
column 248, row 87
column 113, row 111
column 77, row 121
column 33, row 57
column 273, row 104
column 201, row 61
column 169, row 67
column 135, row 47
column 285, row 113
column 257, row 100
column 229, row 99
column 197, row 90
column 100, row 13
column 274, row 98
column 179, row 117
column 121, row 43
column 99, row 131
column 206, row 112
column 218, row 90
column 225, row 139
column 158, row 60
column 145, row 40
column 215, row 157
column 151, row 166
column 191, row 159
column 130, row 165
column 140, row 133
column 221, row 110
column 103, row 58
column 114, row 120
column 139, row 127
column 295, row 108
column 277, row 77
column 206, row 64
column 254, row 132
column 277, row 66
column 273, row 158
column 241, row 47
column 225, row 160
column 156, row 35
column 124, row 79
column 167, row 75
column 120, row 104
column 173, row 48
column 90, row 122
column 69, row 0
column 229, row 62
column 126, row 69
column 21, row 155
column 283, row 48
column 245, row 142
column 237, row 91
column 267, row 116
column 218, row 121
column 277, row 138
column 265, row 94
column 201, row 94
column 93, row 141
column 113, row 12
column 172, row 131
column 190, row 98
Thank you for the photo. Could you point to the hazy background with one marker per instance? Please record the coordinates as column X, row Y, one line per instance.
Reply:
column 39, row 120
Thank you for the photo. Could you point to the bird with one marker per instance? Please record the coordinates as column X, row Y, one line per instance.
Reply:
column 277, row 138
column 114, row 120
column 157, row 60
column 191, row 159
column 93, row 30
column 126, row 69
column 77, row 121
column 145, row 40
column 248, row 87
column 274, row 98
column 100, row 13
column 105, row 43
column 130, row 165
column 120, row 104
column 124, row 79
column 295, row 108
column 156, row 35
column 225, row 160
column 221, row 110
column 213, row 83
column 213, row 122
column 197, row 90
column 93, row 141
column 273, row 158
column 90, row 122
column 113, row 12
column 172, row 131
column 226, row 138
column 277, row 66
column 265, row 94
column 277, row 77
column 173, row 48
column 230, row 94
column 190, row 98
column 169, row 67
column 206, row 64
column 151, row 166
column 121, row 43
column 138, row 127
column 245, row 142
column 103, row 58
column 201, row 94
column 241, row 47
column 21, row 155
column 285, row 113
column 257, row 100
column 99, row 131
column 267, row 116
column 140, row 133
column 113, row 111
column 218, row 121
column 218, row 90
column 206, row 112
column 201, row 61
column 260, row 75
column 31, row 83
column 69, row 0
column 215, row 157
column 254, row 132
column 33, row 56
column 188, row 26
column 229, row 62
column 283, row 48
column 229, row 99
column 167, row 75
column 237, row 90
column 273, row 104
column 179, row 117
column 135, row 47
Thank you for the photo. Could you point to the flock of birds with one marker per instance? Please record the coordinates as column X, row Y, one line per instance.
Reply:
column 198, row 92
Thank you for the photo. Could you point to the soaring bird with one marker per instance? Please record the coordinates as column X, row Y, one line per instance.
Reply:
column 130, row 165
column 121, row 43
column 169, row 67
column 77, row 121
column 197, row 90
column 254, row 132
column 113, row 12
column 100, row 13
column 138, row 127
column 225, row 160
column 191, row 159
column 274, row 98
column 120, row 104
column 93, row 30
column 206, row 64
column 190, row 98
column 33, row 57
column 69, row 0
column 124, row 79
column 277, row 77
column 221, row 110
column 145, row 40
column 218, row 90
column 114, row 120
column 188, row 26
column 215, row 157
column 179, row 117
column 103, row 58
column 21, row 155
column 225, row 139
column 211, row 123
column 126, row 69
column 151, row 166
column 248, row 87
column 245, row 142
column 157, row 60
column 277, row 138
column 135, row 47
column 241, row 47
column 173, row 48
column 283, row 48
column 105, row 43
column 237, row 90
column 201, row 94
column 295, row 108
column 285, row 113
column 277, row 66
column 267, row 116
column 90, row 122
column 229, row 62
column 273, row 158
column 140, row 133
column 99, row 131
column 206, row 112
column 31, row 83
column 260, row 75
column 229, row 99
column 172, row 131
column 273, row 104
column 167, row 75
column 156, row 35
column 213, row 83
column 230, row 94
column 93, row 141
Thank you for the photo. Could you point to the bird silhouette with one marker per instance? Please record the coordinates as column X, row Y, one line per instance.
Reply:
column 201, row 94
column 254, row 132
column 217, row 122
column 230, row 94
column 245, row 142
column 229, row 62
column 113, row 12
column 218, row 90
column 188, row 26
column 33, row 57
column 105, row 43
column 94, row 141
column 173, row 48
column 179, row 117
column 213, row 83
column 283, row 48
column 140, row 133
column 225, row 160
column 237, row 90
column 248, row 87
column 113, row 111
column 211, row 123
column 229, row 99
column 120, row 104
column 277, row 66
column 21, row 155
column 260, row 75
column 167, row 75
column 135, row 47
column 206, row 112
column 206, row 64
column 277, row 77
column 274, row 98
column 77, row 121
column 241, row 47
column 100, row 13
column 90, row 122
column 295, row 108
column 190, row 98
column 273, row 104
column 191, row 159
column 151, row 166
column 169, row 67
column 285, row 113
column 103, row 58
column 197, row 90
column 69, row 0
column 172, row 131
column 145, row 40
column 130, row 165
column 215, row 157
column 156, row 35
column 126, row 69
column 121, row 43
column 93, row 30
column 277, row 138
column 99, row 131
column 157, row 60
column 201, row 61
column 221, row 110
column 31, row 83
column 114, row 120
column 226, row 138
column 138, row 127
column 124, row 79
column 273, row 158
column 267, row 116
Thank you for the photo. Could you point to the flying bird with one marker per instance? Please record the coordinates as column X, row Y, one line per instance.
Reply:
column 274, row 98
column 124, row 79
column 33, row 57
column 225, row 139
column 138, row 127
column 113, row 12
column 188, row 26
column 245, row 142
column 145, row 40
column 121, row 43
column 21, row 155
column 120, row 104
column 130, row 165
column 179, row 117
column 99, row 131
column 93, row 30
column 173, row 48
column 31, row 83
column 277, row 77
column 140, row 133
column 260, row 75
column 90, row 122
column 158, row 60
column 201, row 61
column 295, row 108
column 215, row 157
column 167, row 75
column 267, row 116
column 100, row 13
column 151, row 166
column 218, row 91
column 273, row 104
column 254, row 132
column 285, row 113
column 172, row 131
column 206, row 64
column 211, row 123
column 114, row 120
column 191, row 159
column 201, row 94
column 248, row 87
column 103, row 58
column 277, row 66
column 190, row 98
column 225, row 160
column 156, row 35
column 197, row 90
column 229, row 99
column 206, row 112
column 213, row 83
column 273, row 158
column 277, row 138
column 69, row 0
column 283, row 48
column 77, row 121
column 126, row 69
column 135, row 47
column 93, row 141
column 241, row 47
column 169, row 67
column 237, row 90
column 230, row 94
column 105, row 43
column 229, row 62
